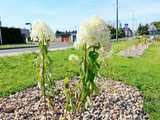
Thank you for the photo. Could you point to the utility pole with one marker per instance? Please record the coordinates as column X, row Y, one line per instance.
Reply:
column 133, row 24
column 117, row 20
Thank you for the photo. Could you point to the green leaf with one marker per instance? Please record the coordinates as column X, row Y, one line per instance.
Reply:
column 93, row 56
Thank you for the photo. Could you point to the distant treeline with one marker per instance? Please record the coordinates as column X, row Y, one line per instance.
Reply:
column 121, row 32
column 11, row 35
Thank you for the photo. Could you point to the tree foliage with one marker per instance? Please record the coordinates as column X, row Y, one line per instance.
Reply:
column 112, row 29
column 143, row 29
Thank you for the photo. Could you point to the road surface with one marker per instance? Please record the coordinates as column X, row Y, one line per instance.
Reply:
column 17, row 51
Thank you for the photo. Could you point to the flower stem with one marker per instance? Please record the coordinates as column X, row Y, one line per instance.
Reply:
column 43, row 77
column 85, row 58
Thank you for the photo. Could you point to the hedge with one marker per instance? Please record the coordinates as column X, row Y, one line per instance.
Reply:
column 11, row 36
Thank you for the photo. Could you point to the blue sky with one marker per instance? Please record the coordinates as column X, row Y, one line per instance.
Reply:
column 68, row 14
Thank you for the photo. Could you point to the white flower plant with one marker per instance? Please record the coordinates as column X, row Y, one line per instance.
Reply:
column 94, row 39
column 43, row 35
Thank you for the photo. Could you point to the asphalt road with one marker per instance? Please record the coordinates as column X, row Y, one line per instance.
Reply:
column 17, row 51
column 56, row 46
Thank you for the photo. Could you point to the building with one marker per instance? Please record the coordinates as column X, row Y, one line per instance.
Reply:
column 25, row 34
column 10, row 35
column 154, row 28
column 67, row 36
column 0, row 32
column 128, row 32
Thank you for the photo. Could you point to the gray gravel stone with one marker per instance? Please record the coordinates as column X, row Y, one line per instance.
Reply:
column 115, row 101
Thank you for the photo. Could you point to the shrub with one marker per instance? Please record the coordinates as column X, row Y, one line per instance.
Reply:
column 42, row 34
column 93, row 39
column 142, row 39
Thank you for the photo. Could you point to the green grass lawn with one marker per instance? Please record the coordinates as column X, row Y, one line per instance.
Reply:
column 142, row 72
column 117, row 46
column 17, row 73
column 15, row 46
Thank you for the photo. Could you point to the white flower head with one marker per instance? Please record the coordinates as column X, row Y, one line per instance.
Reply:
column 73, row 58
column 105, row 50
column 93, row 31
column 41, row 31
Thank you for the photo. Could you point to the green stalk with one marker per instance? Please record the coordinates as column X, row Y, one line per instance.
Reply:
column 85, row 58
column 43, row 75
column 43, row 72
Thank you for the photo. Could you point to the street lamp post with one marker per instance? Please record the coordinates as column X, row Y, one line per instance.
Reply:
column 30, row 25
column 117, row 20
column 30, row 29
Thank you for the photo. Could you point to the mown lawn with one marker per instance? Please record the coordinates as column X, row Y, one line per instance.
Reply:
column 15, row 46
column 17, row 73
column 142, row 72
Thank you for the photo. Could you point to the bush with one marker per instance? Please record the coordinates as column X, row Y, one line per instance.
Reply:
column 93, row 40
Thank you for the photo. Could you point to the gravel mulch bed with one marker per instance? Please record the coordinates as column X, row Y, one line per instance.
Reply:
column 136, row 50
column 115, row 101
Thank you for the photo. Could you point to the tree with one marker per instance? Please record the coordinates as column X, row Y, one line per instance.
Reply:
column 143, row 29
column 121, row 32
column 112, row 31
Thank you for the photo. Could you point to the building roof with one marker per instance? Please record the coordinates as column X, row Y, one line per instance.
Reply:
column 156, row 24
column 152, row 27
column 68, row 33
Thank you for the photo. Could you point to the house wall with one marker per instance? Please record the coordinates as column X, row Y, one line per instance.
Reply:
column 73, row 37
column 58, row 39
column 128, row 33
column 65, row 38
column 68, row 37
column 25, row 34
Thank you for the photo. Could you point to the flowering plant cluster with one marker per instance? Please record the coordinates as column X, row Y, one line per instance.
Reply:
column 93, row 31
column 43, row 34
column 93, row 39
